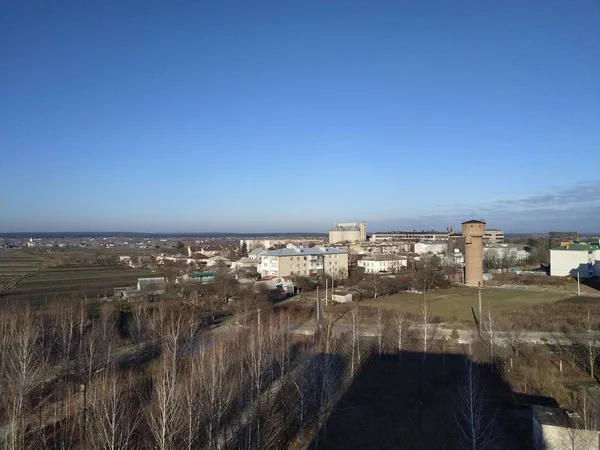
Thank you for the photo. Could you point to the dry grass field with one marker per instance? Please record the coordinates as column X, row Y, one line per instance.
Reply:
column 62, row 280
column 454, row 305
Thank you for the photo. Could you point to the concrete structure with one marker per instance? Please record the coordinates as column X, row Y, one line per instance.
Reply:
column 493, row 236
column 473, row 232
column 278, row 283
column 345, row 296
column 433, row 247
column 383, row 263
column 304, row 261
column 571, row 259
column 152, row 285
column 554, row 429
column 252, row 244
column 412, row 235
column 198, row 277
column 348, row 232
column 218, row 261
column 245, row 263
column 510, row 252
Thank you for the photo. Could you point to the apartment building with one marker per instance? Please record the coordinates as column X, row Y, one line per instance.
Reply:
column 304, row 261
column 493, row 236
column 383, row 263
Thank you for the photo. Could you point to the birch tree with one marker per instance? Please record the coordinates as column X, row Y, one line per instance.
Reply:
column 474, row 422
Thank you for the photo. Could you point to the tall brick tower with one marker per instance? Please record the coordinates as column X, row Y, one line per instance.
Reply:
column 473, row 232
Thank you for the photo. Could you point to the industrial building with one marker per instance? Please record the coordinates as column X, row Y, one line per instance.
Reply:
column 304, row 261
column 412, row 235
column 383, row 263
column 511, row 252
column 431, row 247
column 348, row 232
column 493, row 236
column 581, row 258
column 473, row 232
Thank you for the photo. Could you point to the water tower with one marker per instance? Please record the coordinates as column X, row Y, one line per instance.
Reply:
column 473, row 232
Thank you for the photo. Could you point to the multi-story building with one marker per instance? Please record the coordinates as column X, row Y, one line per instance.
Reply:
column 411, row 236
column 304, row 261
column 383, row 263
column 493, row 236
column 577, row 258
column 433, row 247
column 507, row 252
column 348, row 232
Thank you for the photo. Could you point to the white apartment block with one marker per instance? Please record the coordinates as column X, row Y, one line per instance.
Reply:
column 305, row 262
column 493, row 236
column 431, row 247
column 578, row 258
column 383, row 263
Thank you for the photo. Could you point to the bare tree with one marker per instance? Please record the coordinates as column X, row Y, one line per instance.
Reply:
column 354, row 338
column 427, row 331
column 163, row 416
column 402, row 332
column 474, row 422
column 489, row 329
column 22, row 374
column 112, row 417
column 379, row 331
column 515, row 339
column 591, row 340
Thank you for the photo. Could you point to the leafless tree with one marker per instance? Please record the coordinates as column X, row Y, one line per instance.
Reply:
column 164, row 414
column 22, row 374
column 379, row 331
column 426, row 327
column 514, row 338
column 402, row 328
column 474, row 422
column 354, row 338
column 112, row 417
column 489, row 330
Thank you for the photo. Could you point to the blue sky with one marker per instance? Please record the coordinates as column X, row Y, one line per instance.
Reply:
column 288, row 116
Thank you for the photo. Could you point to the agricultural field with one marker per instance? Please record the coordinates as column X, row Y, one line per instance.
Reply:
column 454, row 305
column 51, row 278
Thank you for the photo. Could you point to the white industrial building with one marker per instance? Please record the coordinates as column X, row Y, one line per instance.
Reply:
column 510, row 252
column 348, row 232
column 383, row 263
column 575, row 258
column 431, row 247
column 412, row 236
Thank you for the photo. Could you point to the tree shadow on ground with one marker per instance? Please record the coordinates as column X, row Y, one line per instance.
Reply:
column 412, row 403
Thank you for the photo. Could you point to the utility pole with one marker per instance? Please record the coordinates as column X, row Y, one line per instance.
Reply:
column 258, row 326
column 578, row 285
column 480, row 303
column 318, row 310
column 326, row 284
column 332, row 288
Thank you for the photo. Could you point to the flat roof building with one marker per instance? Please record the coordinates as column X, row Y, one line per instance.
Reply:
column 304, row 261
column 577, row 258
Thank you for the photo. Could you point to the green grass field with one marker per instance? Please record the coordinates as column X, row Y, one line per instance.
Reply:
column 454, row 305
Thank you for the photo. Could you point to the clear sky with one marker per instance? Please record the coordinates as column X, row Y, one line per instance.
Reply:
column 291, row 115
